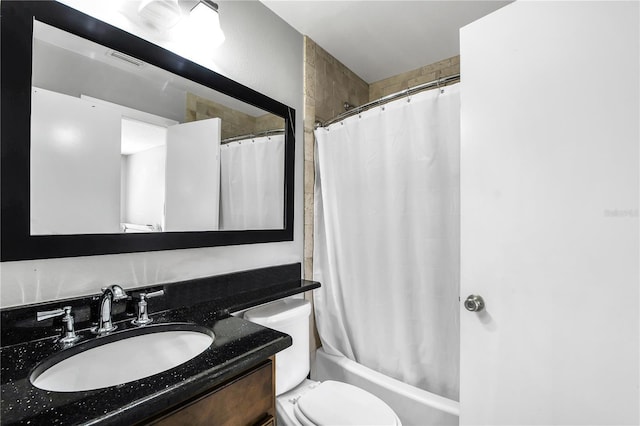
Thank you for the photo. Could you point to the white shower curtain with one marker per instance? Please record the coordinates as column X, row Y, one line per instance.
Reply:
column 387, row 239
column 252, row 184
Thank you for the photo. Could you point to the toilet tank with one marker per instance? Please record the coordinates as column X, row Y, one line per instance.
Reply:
column 290, row 316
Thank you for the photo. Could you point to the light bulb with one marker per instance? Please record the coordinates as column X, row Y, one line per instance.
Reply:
column 205, row 23
column 162, row 14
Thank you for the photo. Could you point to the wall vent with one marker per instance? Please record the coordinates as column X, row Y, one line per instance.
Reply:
column 126, row 58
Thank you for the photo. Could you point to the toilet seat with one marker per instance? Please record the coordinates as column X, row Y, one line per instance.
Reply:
column 337, row 403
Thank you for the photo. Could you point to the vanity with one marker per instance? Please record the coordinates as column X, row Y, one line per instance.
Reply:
column 230, row 382
column 247, row 399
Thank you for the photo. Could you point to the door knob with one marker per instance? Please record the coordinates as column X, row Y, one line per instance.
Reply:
column 474, row 303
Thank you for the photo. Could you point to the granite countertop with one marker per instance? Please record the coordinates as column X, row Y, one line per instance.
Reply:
column 238, row 345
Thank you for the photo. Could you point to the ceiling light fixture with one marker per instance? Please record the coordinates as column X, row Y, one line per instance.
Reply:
column 205, row 19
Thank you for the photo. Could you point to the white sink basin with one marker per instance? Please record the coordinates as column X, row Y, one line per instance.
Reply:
column 122, row 361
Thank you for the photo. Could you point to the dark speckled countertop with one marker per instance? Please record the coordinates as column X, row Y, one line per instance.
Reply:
column 238, row 346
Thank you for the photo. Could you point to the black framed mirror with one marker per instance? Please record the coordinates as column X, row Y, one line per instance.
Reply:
column 64, row 193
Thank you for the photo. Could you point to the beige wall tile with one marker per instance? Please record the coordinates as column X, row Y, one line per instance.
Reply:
column 335, row 85
column 375, row 93
column 310, row 82
column 308, row 245
column 309, row 115
column 425, row 74
column 308, row 210
column 310, row 103
column 309, row 52
column 309, row 177
column 393, row 88
column 422, row 79
column 309, row 146
column 234, row 123
column 268, row 122
column 308, row 272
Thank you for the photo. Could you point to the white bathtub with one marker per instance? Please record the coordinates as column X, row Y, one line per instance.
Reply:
column 414, row 406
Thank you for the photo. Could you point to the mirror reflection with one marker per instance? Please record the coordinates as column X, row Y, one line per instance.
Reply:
column 119, row 145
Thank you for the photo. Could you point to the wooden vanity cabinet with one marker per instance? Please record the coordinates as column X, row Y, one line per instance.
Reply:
column 248, row 399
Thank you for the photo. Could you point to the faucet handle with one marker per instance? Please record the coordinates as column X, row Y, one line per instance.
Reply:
column 41, row 316
column 69, row 334
column 143, row 313
column 152, row 294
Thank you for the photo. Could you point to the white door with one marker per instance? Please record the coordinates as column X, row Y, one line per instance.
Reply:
column 549, row 207
column 192, row 176
column 75, row 166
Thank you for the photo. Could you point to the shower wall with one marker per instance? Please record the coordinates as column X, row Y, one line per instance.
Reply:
column 328, row 84
column 234, row 123
column 425, row 74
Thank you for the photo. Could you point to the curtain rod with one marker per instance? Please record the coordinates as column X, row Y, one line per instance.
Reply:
column 253, row 135
column 392, row 97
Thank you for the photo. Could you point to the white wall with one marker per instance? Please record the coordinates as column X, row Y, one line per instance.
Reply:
column 550, row 196
column 144, row 188
column 260, row 51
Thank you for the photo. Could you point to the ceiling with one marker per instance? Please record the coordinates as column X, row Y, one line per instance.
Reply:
column 380, row 39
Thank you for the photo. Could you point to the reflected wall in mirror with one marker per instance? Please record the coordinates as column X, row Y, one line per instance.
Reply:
column 111, row 144
column 115, row 147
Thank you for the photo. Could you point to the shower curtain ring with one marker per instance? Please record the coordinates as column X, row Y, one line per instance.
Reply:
column 439, row 81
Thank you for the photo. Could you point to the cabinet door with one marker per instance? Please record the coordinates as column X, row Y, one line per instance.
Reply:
column 268, row 421
column 249, row 400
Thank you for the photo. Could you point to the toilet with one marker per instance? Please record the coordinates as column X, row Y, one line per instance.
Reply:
column 300, row 401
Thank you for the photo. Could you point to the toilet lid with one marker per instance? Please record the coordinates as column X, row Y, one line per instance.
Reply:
column 337, row 403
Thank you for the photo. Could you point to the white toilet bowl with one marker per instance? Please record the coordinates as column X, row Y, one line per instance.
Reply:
column 302, row 402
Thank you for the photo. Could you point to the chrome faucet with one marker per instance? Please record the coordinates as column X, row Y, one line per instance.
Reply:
column 69, row 335
column 143, row 313
column 110, row 294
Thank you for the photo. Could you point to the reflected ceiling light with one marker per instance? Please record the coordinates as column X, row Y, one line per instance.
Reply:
column 162, row 14
column 206, row 22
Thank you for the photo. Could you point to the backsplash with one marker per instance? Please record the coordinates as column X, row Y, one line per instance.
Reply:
column 227, row 292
